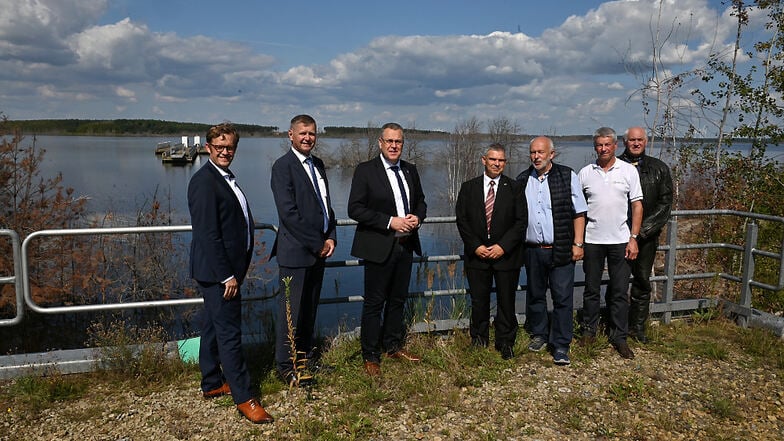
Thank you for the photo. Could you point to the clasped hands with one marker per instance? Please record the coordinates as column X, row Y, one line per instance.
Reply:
column 404, row 224
column 491, row 252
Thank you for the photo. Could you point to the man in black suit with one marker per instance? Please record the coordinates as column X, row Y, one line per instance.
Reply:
column 491, row 218
column 221, row 249
column 305, row 239
column 387, row 200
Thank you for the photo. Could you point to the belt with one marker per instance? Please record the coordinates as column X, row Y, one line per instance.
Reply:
column 539, row 245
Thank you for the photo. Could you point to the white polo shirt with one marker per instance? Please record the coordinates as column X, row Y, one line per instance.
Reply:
column 608, row 195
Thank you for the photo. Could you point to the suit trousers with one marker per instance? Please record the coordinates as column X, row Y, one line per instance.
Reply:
column 220, row 349
column 556, row 329
column 386, row 291
column 616, row 297
column 640, row 293
column 480, row 282
column 304, row 295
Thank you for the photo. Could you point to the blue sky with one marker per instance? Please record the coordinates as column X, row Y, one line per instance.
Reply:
column 554, row 67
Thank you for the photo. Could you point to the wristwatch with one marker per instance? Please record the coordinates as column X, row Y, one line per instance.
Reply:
column 634, row 236
column 578, row 245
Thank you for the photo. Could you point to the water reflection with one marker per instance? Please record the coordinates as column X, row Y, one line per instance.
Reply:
column 122, row 176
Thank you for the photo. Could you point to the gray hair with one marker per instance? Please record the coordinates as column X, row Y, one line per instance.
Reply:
column 626, row 133
column 603, row 132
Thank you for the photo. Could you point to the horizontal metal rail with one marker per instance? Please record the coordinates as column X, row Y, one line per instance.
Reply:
column 103, row 231
column 670, row 248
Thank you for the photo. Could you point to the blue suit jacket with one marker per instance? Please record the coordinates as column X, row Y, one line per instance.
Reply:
column 219, row 246
column 371, row 202
column 300, row 237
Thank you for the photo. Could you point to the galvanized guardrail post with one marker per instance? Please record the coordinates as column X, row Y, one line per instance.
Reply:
column 669, row 267
column 15, row 279
column 752, row 231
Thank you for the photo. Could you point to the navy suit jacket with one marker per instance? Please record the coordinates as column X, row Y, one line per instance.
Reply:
column 507, row 227
column 300, row 237
column 219, row 247
column 371, row 202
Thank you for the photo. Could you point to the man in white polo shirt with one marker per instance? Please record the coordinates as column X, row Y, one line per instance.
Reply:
column 610, row 186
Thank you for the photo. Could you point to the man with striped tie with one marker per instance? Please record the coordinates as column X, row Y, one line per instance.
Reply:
column 492, row 215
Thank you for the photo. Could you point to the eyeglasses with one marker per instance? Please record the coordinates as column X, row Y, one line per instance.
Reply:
column 393, row 141
column 220, row 148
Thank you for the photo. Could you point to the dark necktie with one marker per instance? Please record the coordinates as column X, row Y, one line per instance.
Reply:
column 403, row 194
column 489, row 203
column 313, row 175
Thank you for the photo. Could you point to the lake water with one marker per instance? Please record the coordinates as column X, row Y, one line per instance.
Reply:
column 122, row 174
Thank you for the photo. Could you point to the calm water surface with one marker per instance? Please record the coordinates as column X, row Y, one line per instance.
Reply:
column 122, row 175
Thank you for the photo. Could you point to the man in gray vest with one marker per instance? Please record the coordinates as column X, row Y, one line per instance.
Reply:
column 554, row 242
column 656, row 204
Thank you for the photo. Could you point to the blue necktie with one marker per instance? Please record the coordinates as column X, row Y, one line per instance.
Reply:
column 313, row 175
column 403, row 194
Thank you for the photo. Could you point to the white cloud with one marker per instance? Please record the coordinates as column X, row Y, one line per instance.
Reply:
column 126, row 93
column 572, row 74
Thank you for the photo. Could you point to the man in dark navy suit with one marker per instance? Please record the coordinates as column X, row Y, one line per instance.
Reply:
column 306, row 238
column 491, row 218
column 221, row 250
column 386, row 199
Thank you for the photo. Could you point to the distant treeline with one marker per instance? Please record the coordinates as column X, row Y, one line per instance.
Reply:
column 127, row 127
column 341, row 132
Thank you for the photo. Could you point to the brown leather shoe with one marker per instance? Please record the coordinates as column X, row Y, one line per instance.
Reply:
column 372, row 368
column 219, row 392
column 253, row 411
column 401, row 354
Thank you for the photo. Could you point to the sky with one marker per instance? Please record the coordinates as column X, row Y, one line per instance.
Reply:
column 554, row 67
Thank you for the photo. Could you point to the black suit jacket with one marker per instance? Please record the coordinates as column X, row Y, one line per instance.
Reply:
column 219, row 247
column 300, row 237
column 507, row 227
column 371, row 202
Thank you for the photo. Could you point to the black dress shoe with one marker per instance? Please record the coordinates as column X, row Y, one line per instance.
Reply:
column 317, row 367
column 290, row 378
column 640, row 337
column 506, row 352
column 623, row 348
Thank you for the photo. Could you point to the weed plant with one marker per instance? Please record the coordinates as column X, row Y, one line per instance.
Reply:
column 136, row 354
column 36, row 393
column 298, row 358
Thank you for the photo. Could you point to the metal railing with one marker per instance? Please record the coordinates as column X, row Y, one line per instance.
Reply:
column 667, row 306
column 15, row 279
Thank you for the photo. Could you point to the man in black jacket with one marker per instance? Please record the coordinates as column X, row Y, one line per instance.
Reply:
column 657, row 200
column 387, row 201
column 491, row 219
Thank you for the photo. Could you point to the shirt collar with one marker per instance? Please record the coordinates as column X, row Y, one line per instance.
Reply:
column 388, row 164
column 223, row 172
column 487, row 180
column 300, row 156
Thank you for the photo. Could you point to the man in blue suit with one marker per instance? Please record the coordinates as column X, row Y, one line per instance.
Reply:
column 306, row 238
column 221, row 250
column 387, row 200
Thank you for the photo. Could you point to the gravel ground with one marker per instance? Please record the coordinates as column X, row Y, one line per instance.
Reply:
column 651, row 397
